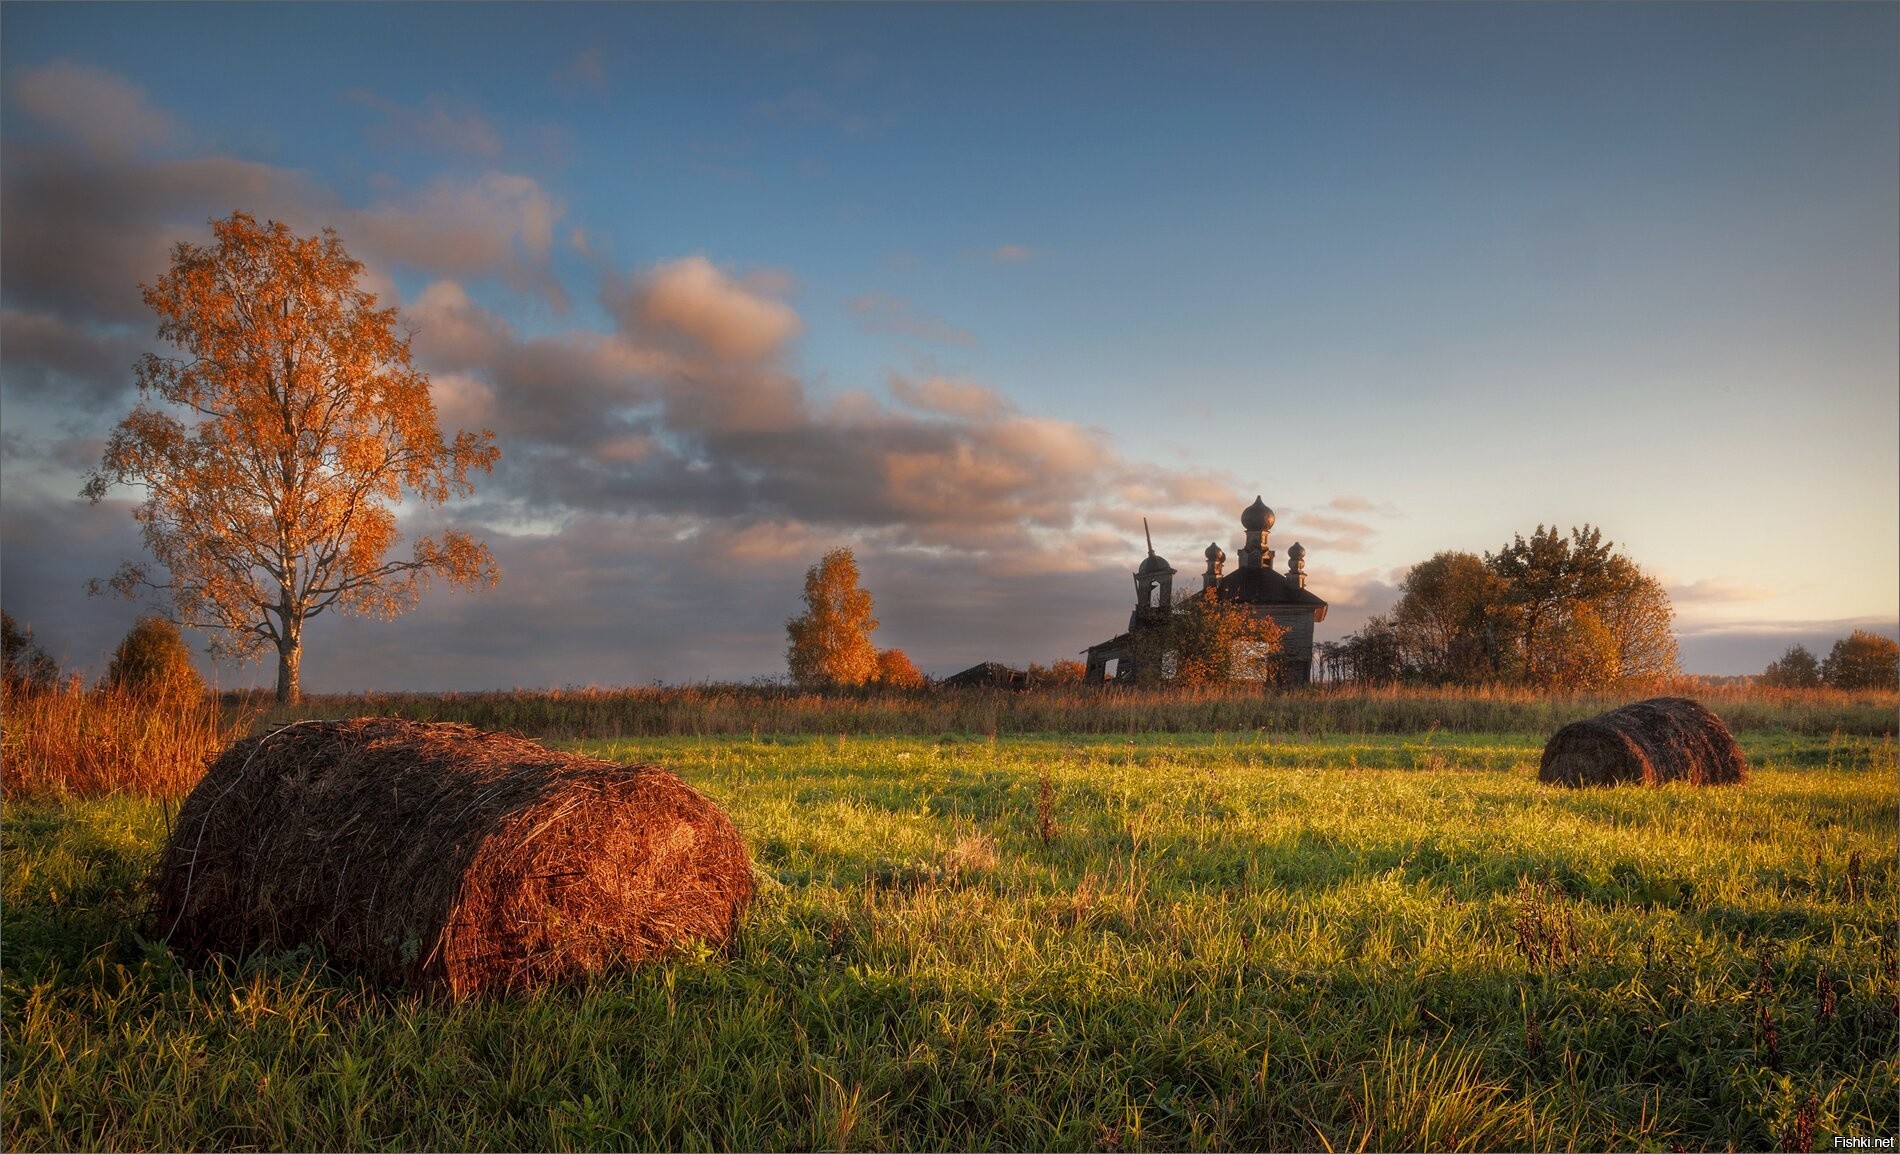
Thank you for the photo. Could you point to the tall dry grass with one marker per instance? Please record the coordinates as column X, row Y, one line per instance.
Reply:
column 73, row 741
column 706, row 710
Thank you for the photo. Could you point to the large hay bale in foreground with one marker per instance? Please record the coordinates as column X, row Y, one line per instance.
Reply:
column 1660, row 740
column 438, row 854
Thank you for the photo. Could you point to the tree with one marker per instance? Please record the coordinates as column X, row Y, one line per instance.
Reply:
column 1863, row 660
column 290, row 424
column 1447, row 618
column 1061, row 671
column 1575, row 649
column 1641, row 623
column 1795, row 669
column 28, row 667
column 831, row 641
column 153, row 661
column 1541, row 576
column 1577, row 614
column 1374, row 654
column 895, row 670
column 1206, row 641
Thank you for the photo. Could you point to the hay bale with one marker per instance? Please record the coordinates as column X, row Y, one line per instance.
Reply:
column 440, row 855
column 1660, row 740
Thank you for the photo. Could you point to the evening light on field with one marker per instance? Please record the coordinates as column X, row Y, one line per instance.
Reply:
column 948, row 576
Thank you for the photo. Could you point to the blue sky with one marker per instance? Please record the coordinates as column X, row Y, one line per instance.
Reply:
column 975, row 288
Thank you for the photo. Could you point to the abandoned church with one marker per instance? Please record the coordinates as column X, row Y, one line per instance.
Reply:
column 1254, row 583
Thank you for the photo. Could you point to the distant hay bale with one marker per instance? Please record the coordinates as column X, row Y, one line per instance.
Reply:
column 1660, row 740
column 436, row 854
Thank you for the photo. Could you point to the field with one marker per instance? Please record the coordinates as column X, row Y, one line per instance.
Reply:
column 1354, row 928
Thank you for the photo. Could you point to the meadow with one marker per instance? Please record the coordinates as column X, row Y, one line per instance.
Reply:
column 1356, row 923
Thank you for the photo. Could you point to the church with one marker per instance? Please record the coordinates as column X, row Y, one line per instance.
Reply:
column 1254, row 583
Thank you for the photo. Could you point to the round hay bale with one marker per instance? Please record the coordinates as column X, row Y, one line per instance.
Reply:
column 1660, row 740
column 437, row 854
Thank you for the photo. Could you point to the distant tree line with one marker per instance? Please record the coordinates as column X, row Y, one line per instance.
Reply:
column 1861, row 660
column 1556, row 611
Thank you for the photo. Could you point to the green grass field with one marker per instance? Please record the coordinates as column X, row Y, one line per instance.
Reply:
column 1164, row 941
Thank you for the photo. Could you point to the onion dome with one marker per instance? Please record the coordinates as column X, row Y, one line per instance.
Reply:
column 1256, row 517
column 1154, row 563
column 1214, row 552
column 1296, row 554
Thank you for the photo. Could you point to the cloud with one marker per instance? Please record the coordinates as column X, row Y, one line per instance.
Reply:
column 951, row 395
column 879, row 313
column 664, row 479
column 1351, row 503
column 1731, row 648
column 500, row 223
column 1338, row 534
column 734, row 320
column 1011, row 254
column 688, row 409
column 1719, row 591
column 47, row 355
column 107, row 114
column 587, row 72
column 82, row 235
column 431, row 126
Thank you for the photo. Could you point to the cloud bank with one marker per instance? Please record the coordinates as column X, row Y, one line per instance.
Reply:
column 665, row 478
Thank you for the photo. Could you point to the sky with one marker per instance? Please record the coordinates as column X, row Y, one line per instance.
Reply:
column 975, row 289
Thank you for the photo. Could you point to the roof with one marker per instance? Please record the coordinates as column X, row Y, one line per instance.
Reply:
column 1249, row 585
column 993, row 673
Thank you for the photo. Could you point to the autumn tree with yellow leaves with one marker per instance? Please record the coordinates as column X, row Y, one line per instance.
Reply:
column 830, row 643
column 272, row 448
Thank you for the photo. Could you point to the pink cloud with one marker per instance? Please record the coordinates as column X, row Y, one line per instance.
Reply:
column 731, row 319
column 499, row 223
column 950, row 395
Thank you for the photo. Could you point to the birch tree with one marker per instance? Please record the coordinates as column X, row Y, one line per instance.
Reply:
column 272, row 449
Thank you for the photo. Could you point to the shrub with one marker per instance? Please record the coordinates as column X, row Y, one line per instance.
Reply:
column 895, row 670
column 29, row 668
column 153, row 661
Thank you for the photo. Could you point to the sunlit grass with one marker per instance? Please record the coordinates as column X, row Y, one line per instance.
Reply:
column 1226, row 941
column 92, row 742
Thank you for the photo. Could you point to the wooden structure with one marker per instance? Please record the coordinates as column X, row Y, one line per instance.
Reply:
column 1254, row 583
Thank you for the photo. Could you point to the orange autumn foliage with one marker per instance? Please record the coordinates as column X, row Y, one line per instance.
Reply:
column 895, row 670
column 279, row 440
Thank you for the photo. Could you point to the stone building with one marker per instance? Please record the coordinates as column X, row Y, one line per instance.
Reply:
column 1254, row 583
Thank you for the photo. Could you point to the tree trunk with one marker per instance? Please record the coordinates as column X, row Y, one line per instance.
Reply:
column 289, row 665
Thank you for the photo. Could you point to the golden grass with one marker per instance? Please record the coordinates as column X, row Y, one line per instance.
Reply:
column 94, row 742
